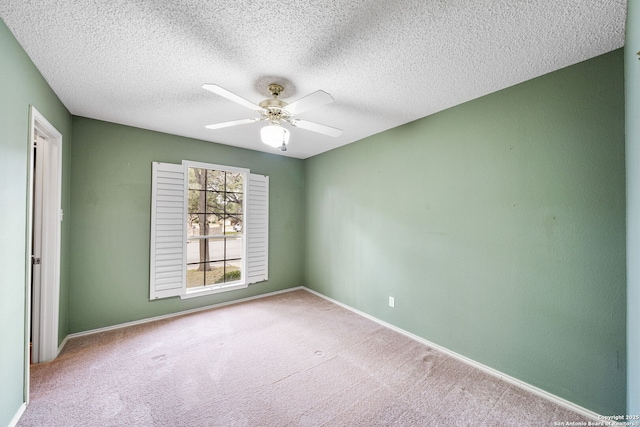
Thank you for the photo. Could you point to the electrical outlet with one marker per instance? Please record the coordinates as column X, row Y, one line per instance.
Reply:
column 392, row 302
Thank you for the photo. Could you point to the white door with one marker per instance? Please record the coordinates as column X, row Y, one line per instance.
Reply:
column 38, row 154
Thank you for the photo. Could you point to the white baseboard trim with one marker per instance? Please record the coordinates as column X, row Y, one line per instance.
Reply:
column 176, row 314
column 16, row 417
column 523, row 385
column 62, row 344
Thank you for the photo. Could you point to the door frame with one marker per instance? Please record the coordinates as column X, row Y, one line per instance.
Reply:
column 51, row 225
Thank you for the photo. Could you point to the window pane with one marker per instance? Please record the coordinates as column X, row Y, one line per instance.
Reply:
column 215, row 180
column 234, row 250
column 234, row 182
column 232, row 271
column 197, row 178
column 216, row 224
column 214, row 273
column 192, row 228
column 233, row 225
column 216, row 249
column 215, row 202
column 193, row 251
column 195, row 275
column 197, row 251
column 233, row 205
column 196, row 201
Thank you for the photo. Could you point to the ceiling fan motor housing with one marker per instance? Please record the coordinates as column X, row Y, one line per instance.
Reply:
column 274, row 110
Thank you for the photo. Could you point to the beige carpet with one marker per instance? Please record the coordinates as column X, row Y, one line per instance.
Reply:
column 292, row 359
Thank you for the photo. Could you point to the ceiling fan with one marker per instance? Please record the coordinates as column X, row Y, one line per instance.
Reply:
column 276, row 112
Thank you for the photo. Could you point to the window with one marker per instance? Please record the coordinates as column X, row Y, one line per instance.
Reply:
column 215, row 237
column 209, row 229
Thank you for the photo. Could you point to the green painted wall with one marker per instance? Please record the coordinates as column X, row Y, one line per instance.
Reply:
column 21, row 85
column 111, row 187
column 632, row 92
column 498, row 226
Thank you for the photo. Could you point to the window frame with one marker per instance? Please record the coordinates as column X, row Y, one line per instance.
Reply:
column 167, row 264
column 218, row 287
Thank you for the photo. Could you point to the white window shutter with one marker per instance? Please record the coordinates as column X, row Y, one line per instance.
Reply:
column 257, row 228
column 167, row 231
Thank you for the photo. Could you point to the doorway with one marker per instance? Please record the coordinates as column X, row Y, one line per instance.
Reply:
column 43, row 240
column 37, row 156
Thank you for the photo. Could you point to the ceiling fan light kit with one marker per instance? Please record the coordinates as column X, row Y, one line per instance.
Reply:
column 276, row 111
column 275, row 135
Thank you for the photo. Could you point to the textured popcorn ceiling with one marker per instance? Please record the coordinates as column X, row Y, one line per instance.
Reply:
column 142, row 63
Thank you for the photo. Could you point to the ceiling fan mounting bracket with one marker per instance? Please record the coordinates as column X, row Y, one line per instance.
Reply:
column 275, row 89
column 275, row 109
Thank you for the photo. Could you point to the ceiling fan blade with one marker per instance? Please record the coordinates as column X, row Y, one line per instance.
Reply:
column 316, row 127
column 231, row 96
column 231, row 123
column 313, row 100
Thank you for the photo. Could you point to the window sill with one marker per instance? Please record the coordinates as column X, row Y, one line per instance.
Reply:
column 212, row 290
